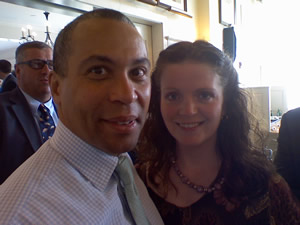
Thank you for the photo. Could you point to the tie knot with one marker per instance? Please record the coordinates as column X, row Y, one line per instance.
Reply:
column 44, row 112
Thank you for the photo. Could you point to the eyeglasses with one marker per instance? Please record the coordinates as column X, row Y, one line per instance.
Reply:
column 38, row 64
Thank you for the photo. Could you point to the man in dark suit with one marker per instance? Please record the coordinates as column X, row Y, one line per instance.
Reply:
column 287, row 158
column 9, row 83
column 20, row 128
column 5, row 69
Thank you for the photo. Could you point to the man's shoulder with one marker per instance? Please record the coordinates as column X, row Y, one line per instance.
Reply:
column 6, row 100
column 9, row 95
column 291, row 119
column 10, row 83
column 47, row 189
column 13, row 97
column 25, row 187
column 293, row 113
column 16, row 192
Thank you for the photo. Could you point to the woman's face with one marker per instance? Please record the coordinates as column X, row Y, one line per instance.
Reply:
column 191, row 102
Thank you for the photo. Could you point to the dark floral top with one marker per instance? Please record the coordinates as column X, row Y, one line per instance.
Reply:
column 276, row 207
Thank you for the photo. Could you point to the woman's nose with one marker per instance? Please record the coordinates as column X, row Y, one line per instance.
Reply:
column 189, row 107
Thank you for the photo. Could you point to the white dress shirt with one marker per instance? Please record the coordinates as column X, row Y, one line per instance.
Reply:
column 68, row 181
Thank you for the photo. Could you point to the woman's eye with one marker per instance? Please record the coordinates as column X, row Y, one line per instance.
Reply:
column 205, row 96
column 172, row 96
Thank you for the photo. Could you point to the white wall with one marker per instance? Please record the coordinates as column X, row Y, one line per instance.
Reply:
column 164, row 23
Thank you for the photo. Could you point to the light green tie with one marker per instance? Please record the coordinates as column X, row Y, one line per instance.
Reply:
column 125, row 173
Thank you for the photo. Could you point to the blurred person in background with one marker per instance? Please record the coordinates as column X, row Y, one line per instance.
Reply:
column 5, row 69
column 20, row 126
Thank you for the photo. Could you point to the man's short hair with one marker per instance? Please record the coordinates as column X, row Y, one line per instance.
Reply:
column 63, row 45
column 5, row 66
column 28, row 45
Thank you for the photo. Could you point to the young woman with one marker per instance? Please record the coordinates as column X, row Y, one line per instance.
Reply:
column 196, row 153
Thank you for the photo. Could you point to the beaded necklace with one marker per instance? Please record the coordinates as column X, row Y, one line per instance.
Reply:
column 198, row 188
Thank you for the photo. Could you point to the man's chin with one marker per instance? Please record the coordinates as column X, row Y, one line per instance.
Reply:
column 119, row 148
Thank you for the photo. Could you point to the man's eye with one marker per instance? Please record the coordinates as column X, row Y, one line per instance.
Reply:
column 139, row 73
column 98, row 70
column 37, row 65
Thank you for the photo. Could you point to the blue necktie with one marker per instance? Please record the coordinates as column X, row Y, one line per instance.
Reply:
column 46, row 122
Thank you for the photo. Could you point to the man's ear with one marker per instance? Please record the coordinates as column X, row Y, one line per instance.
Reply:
column 17, row 71
column 55, row 86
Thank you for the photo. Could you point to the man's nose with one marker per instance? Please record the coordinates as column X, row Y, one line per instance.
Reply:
column 46, row 68
column 123, row 90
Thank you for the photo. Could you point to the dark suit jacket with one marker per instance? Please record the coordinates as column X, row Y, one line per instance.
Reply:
column 19, row 133
column 9, row 83
column 287, row 158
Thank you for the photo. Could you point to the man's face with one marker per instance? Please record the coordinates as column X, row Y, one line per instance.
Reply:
column 105, row 94
column 35, row 81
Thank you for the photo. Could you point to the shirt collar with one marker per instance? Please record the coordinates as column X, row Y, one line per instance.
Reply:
column 34, row 104
column 92, row 163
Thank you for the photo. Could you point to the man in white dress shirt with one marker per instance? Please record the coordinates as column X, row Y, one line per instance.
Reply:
column 101, row 85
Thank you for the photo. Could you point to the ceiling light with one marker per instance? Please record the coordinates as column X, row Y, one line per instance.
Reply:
column 48, row 38
column 28, row 35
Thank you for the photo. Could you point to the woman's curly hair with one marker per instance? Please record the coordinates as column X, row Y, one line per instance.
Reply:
column 244, row 166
